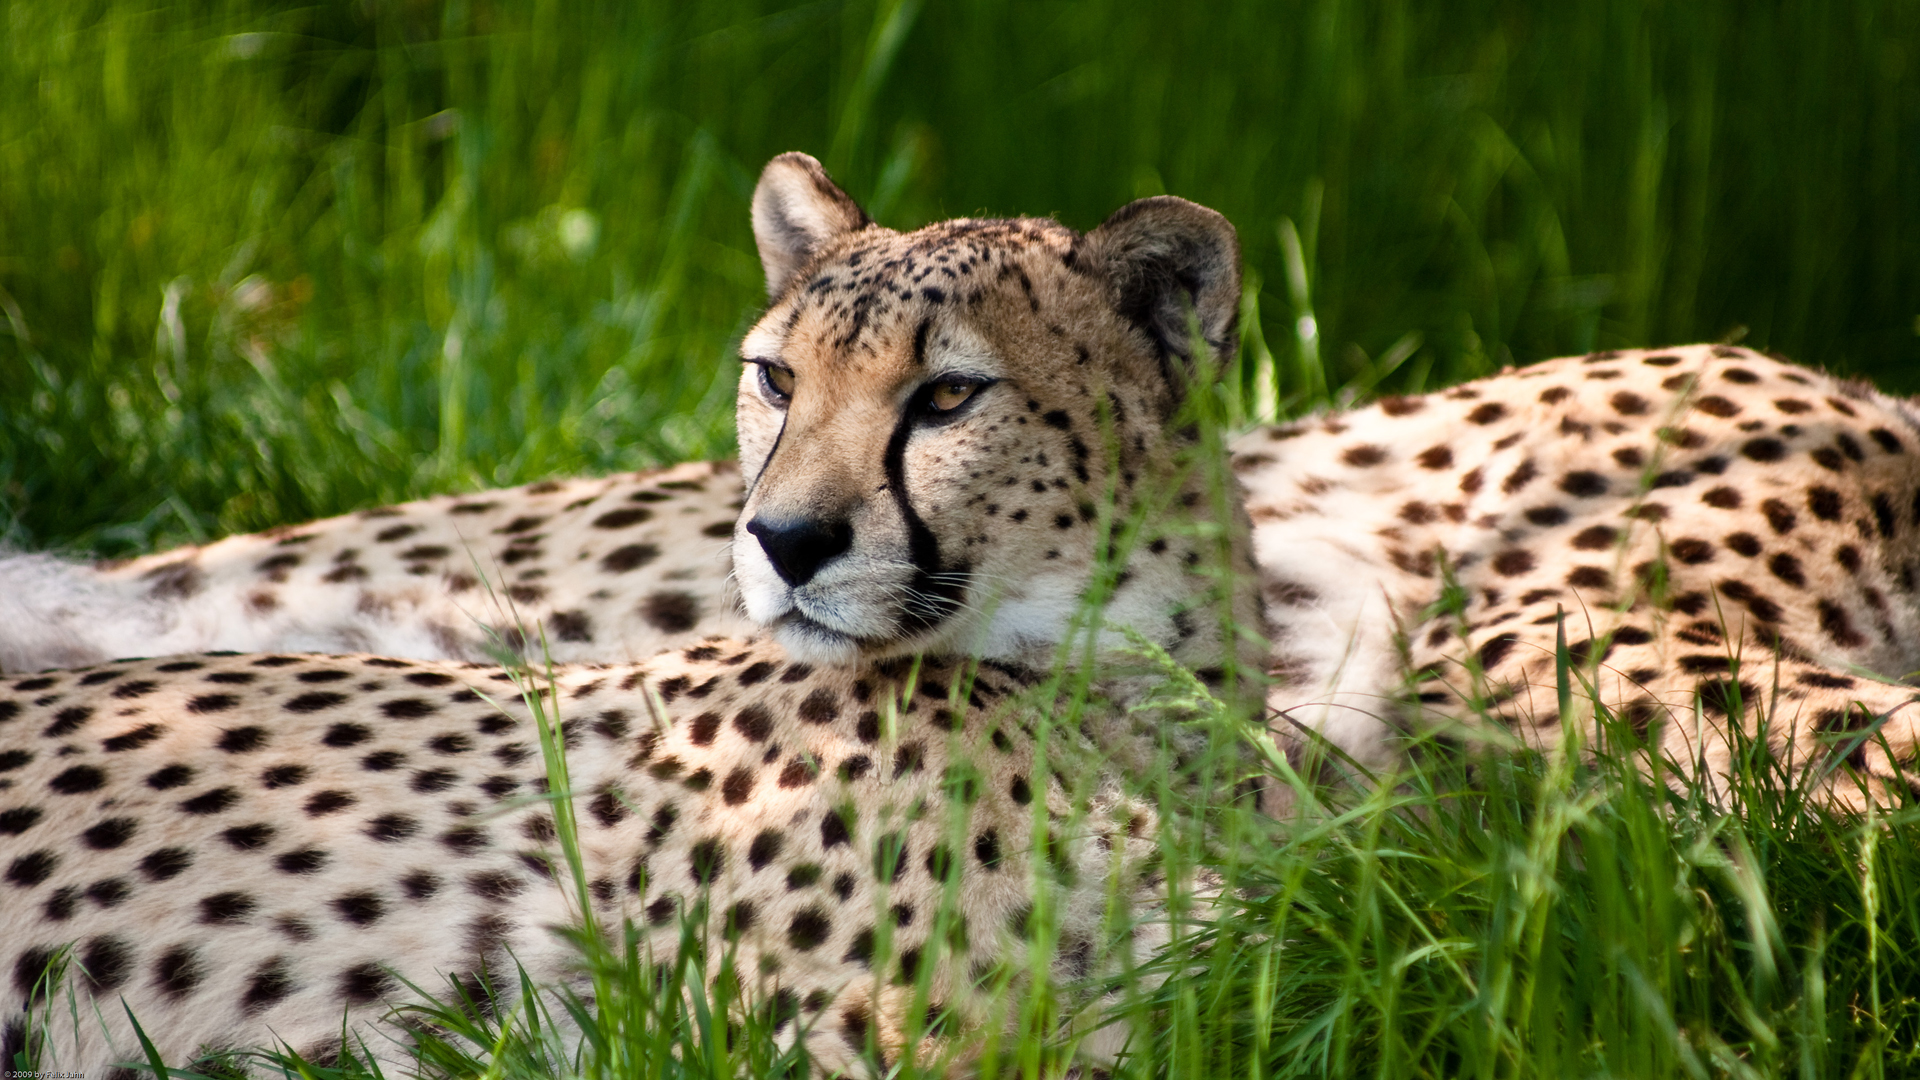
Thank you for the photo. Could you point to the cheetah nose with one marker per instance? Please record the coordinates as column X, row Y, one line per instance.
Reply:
column 798, row 548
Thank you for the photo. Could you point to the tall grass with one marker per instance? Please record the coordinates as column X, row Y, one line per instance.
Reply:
column 261, row 262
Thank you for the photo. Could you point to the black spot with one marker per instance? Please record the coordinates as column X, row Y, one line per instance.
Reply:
column 571, row 626
column 737, row 788
column 110, row 833
column 364, row 983
column 211, row 802
column 1779, row 515
column 301, row 861
column 464, row 839
column 428, row 781
column 67, row 720
column 242, row 740
column 249, row 837
column 392, row 828
column 809, row 929
column 622, row 518
column 322, row 803
column 1584, row 484
column 1848, row 557
column 671, row 612
column 32, row 868
column 19, row 819
column 706, row 861
column 177, row 972
column 130, row 740
column 1513, row 562
column 1787, row 569
column 1691, row 550
column 270, row 983
column 1764, row 449
column 1547, row 515
column 820, row 707
column 1836, row 624
column 360, row 908
column 1718, row 696
column 860, row 949
column 1824, row 502
column 107, row 962
column 227, row 907
column 165, row 863
column 420, row 885
column 704, row 727
column 765, row 848
column 1019, row 790
column 314, row 701
column 1496, row 650
column 986, row 848
column 452, row 743
column 836, row 828
column 755, row 722
column 78, row 780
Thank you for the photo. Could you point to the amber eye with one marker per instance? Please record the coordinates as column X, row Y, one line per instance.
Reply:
column 948, row 396
column 777, row 380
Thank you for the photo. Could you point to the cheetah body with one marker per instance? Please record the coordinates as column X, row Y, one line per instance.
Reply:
column 238, row 844
column 1714, row 527
column 249, row 848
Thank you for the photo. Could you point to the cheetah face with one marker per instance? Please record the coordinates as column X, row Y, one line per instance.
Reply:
column 929, row 422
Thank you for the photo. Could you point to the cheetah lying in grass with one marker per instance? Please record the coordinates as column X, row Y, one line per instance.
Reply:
column 242, row 847
column 1691, row 509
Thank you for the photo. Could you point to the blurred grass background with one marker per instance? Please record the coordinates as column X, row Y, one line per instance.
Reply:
column 261, row 262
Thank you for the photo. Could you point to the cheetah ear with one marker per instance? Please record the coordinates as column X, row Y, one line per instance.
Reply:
column 1167, row 257
column 796, row 210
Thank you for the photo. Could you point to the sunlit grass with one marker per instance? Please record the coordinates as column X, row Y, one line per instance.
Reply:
column 263, row 263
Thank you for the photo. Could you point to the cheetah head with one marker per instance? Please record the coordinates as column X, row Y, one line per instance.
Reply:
column 929, row 421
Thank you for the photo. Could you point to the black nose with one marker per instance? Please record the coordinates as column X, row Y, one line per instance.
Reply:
column 799, row 547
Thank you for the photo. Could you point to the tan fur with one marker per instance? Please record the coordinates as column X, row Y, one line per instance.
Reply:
column 234, row 843
column 1688, row 511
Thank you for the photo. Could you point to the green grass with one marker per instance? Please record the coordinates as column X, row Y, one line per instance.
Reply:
column 263, row 262
column 260, row 263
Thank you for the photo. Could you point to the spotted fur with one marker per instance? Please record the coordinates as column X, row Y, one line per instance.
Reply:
column 1726, row 536
column 611, row 569
column 246, row 847
column 251, row 847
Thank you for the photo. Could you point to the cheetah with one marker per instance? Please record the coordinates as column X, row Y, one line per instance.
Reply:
column 1721, row 537
column 250, row 848
column 1784, row 498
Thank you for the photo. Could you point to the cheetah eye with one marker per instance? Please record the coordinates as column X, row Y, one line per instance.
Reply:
column 776, row 381
column 948, row 396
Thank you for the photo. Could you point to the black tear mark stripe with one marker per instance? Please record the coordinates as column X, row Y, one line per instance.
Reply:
column 939, row 599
